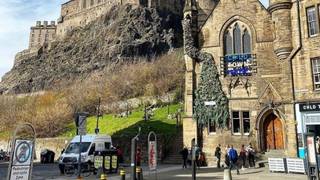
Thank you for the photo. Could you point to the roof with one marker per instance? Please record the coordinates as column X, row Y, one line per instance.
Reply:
column 89, row 138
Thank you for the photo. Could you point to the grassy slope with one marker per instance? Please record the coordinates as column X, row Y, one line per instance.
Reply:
column 128, row 126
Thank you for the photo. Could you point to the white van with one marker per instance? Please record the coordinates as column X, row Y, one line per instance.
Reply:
column 90, row 144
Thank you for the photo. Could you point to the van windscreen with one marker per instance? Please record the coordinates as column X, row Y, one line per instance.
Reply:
column 74, row 147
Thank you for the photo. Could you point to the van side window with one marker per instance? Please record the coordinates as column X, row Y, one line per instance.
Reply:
column 107, row 145
column 92, row 149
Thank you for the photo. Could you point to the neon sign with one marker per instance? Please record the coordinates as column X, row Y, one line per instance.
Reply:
column 238, row 65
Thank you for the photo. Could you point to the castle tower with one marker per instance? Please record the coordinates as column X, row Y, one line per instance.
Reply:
column 281, row 16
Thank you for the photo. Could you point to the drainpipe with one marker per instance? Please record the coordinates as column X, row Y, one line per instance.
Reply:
column 291, row 69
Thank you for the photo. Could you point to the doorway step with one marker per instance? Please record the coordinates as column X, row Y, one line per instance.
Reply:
column 262, row 158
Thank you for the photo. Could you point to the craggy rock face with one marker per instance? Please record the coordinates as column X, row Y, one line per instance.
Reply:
column 124, row 34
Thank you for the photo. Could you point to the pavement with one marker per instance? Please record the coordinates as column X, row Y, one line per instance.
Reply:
column 165, row 172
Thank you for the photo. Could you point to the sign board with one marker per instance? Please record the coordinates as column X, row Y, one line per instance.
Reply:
column 238, row 65
column 22, row 153
column 312, row 157
column 98, row 162
column 20, row 173
column 210, row 103
column 82, row 124
column 152, row 155
column 309, row 107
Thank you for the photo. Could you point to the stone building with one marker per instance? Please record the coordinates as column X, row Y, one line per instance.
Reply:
column 268, row 62
column 76, row 13
column 42, row 34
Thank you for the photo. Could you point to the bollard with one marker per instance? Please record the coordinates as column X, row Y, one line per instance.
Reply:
column 122, row 174
column 227, row 174
column 103, row 177
column 139, row 173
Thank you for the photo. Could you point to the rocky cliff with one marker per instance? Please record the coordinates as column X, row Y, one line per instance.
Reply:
column 125, row 34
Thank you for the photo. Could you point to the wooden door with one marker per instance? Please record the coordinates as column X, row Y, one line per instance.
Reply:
column 273, row 133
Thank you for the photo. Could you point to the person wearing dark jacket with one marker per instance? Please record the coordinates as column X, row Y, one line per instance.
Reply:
column 184, row 152
column 233, row 157
column 217, row 153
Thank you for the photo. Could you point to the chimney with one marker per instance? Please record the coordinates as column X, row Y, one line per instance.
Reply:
column 45, row 23
column 53, row 23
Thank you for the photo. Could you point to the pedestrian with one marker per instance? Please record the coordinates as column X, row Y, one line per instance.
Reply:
column 243, row 155
column 198, row 152
column 138, row 157
column 233, row 157
column 184, row 153
column 251, row 154
column 217, row 153
column 226, row 156
column 119, row 154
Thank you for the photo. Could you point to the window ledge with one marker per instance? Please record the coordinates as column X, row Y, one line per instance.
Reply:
column 315, row 35
column 236, row 134
column 212, row 133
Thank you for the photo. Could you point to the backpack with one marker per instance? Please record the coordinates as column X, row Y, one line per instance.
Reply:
column 233, row 155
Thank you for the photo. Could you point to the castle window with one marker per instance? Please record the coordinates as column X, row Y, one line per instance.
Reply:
column 92, row 3
column 312, row 21
column 316, row 72
column 228, row 43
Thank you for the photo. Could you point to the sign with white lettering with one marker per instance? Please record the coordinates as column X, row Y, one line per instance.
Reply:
column 20, row 173
column 152, row 155
column 210, row 103
column 238, row 65
column 309, row 107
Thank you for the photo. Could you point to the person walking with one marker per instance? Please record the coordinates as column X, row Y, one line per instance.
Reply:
column 184, row 152
column 226, row 156
column 251, row 154
column 217, row 153
column 243, row 156
column 233, row 157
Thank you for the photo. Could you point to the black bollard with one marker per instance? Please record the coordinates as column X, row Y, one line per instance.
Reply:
column 139, row 173
column 122, row 174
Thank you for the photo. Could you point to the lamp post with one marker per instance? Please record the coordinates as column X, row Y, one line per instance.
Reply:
column 133, row 154
column 98, row 116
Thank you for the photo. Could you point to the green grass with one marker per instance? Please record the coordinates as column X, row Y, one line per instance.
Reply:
column 128, row 126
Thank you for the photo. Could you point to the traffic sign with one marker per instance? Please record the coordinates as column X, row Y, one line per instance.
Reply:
column 22, row 153
column 20, row 173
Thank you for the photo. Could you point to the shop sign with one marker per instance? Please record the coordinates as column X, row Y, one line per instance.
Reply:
column 309, row 107
column 311, row 150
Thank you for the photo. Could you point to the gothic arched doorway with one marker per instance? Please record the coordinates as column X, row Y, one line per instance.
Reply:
column 273, row 133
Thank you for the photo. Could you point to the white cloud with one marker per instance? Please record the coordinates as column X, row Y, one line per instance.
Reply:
column 17, row 16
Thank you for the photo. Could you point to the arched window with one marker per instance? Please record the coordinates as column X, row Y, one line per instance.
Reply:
column 228, row 43
column 246, row 41
column 237, row 39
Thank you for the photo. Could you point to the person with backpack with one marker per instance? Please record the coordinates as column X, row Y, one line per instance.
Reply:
column 233, row 157
column 217, row 153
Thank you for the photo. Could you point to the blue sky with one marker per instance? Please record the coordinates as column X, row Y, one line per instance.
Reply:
column 17, row 16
